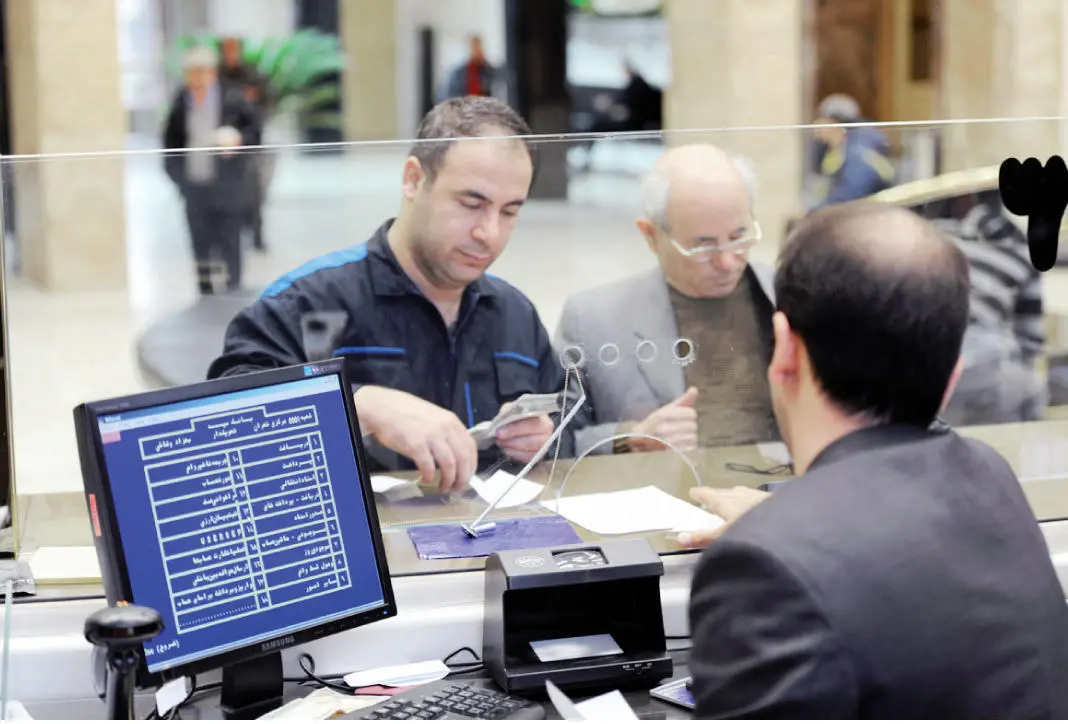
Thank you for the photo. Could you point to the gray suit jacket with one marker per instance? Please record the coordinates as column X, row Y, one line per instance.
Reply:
column 903, row 577
column 632, row 318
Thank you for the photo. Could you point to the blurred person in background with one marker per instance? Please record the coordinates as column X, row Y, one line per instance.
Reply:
column 902, row 575
column 214, row 185
column 1006, row 333
column 679, row 352
column 243, row 79
column 852, row 163
column 639, row 106
column 476, row 76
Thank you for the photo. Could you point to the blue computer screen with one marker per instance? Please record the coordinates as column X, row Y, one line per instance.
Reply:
column 241, row 516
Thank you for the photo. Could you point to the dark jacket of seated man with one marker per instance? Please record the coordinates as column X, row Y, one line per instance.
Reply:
column 847, row 620
column 359, row 304
column 902, row 575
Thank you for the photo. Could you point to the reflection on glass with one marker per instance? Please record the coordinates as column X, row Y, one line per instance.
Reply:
column 666, row 341
column 698, row 322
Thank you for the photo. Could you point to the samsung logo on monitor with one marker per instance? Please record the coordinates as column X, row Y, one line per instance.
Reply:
column 279, row 643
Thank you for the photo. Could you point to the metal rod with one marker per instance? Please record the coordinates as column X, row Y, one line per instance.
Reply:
column 472, row 529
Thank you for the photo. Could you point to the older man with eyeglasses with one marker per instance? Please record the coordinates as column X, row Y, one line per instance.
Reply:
column 679, row 353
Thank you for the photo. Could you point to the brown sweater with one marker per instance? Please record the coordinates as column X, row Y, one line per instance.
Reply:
column 732, row 340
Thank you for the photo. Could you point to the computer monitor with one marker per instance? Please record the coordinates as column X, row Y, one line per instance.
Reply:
column 241, row 510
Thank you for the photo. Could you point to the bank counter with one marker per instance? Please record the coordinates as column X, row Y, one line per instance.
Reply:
column 1037, row 451
column 439, row 614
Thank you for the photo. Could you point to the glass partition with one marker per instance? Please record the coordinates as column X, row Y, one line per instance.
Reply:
column 651, row 275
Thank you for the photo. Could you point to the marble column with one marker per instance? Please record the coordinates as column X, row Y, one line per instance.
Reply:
column 369, row 84
column 64, row 77
column 1002, row 59
column 741, row 63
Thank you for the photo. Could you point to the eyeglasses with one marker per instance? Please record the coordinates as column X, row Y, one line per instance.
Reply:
column 785, row 469
column 734, row 246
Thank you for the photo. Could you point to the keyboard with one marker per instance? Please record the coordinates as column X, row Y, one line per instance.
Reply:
column 453, row 700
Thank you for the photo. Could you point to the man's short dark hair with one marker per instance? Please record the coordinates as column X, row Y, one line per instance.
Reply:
column 880, row 300
column 465, row 117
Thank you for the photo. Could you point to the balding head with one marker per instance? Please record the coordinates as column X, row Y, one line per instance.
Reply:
column 880, row 301
column 884, row 242
column 692, row 174
column 699, row 197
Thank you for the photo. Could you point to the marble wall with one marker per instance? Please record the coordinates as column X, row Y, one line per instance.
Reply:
column 847, row 45
column 370, row 80
column 1002, row 59
column 737, row 64
column 66, row 98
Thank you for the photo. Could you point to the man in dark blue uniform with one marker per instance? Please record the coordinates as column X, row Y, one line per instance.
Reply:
column 434, row 346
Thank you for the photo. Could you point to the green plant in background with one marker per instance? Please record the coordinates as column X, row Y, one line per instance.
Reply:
column 609, row 8
column 299, row 71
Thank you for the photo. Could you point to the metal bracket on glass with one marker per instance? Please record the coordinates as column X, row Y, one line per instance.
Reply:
column 480, row 525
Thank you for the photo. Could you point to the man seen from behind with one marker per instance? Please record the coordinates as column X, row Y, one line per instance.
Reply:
column 902, row 575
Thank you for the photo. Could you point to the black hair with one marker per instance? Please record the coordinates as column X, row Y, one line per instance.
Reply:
column 465, row 117
column 883, row 332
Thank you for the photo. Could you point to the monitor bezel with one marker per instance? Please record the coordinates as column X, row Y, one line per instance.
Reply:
column 114, row 545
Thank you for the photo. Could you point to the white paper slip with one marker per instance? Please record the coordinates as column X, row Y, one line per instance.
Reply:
column 494, row 486
column 385, row 483
column 322, row 704
column 575, row 647
column 17, row 712
column 606, row 707
column 65, row 564
column 563, row 705
column 421, row 672
column 633, row 511
column 171, row 694
column 776, row 451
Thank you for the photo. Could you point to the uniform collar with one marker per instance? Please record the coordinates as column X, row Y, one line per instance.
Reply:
column 870, row 439
column 388, row 279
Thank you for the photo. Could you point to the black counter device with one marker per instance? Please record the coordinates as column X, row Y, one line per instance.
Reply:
column 582, row 596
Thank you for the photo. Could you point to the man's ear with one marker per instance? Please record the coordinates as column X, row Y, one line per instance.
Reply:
column 785, row 359
column 648, row 230
column 952, row 384
column 412, row 177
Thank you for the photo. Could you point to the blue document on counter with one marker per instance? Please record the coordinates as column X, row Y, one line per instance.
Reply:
column 433, row 542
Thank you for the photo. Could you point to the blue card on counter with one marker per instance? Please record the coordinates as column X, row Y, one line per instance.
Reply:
column 433, row 542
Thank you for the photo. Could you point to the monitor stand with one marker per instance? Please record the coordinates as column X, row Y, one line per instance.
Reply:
column 252, row 688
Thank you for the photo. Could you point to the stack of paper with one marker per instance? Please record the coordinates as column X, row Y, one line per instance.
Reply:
column 633, row 511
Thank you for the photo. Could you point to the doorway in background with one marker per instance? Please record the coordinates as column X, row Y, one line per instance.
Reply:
column 884, row 54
